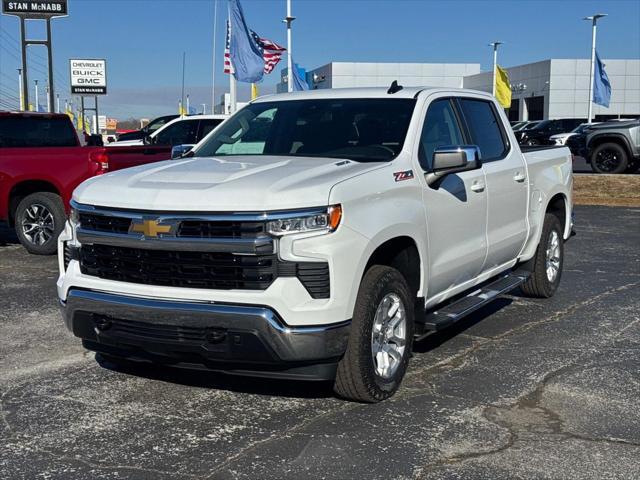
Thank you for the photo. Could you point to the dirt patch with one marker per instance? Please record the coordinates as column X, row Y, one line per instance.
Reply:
column 612, row 190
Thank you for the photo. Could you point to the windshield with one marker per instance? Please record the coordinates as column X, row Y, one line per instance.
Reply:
column 532, row 125
column 356, row 129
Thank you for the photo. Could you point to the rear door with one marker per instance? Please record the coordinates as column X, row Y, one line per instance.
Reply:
column 456, row 211
column 506, row 174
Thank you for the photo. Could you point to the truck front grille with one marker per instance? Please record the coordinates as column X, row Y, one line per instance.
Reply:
column 179, row 269
column 222, row 271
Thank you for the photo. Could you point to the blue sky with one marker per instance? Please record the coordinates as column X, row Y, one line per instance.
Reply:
column 143, row 40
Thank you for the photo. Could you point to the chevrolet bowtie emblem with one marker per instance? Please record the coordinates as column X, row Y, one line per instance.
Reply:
column 149, row 228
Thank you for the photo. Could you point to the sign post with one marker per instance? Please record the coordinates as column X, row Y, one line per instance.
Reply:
column 89, row 78
column 35, row 10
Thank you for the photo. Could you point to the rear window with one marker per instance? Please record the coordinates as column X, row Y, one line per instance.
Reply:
column 36, row 131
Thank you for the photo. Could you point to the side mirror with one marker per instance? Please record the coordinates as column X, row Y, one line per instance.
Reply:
column 180, row 151
column 452, row 159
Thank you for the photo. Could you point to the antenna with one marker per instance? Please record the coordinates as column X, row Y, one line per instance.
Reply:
column 394, row 88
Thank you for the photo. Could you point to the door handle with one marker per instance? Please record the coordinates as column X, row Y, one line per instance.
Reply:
column 477, row 186
column 519, row 177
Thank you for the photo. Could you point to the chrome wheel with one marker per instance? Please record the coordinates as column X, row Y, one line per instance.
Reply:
column 389, row 336
column 38, row 225
column 553, row 256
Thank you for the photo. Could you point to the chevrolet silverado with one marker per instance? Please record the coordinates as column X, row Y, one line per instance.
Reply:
column 316, row 235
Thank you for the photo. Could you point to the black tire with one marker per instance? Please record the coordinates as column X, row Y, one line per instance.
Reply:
column 633, row 167
column 45, row 239
column 609, row 158
column 356, row 377
column 539, row 285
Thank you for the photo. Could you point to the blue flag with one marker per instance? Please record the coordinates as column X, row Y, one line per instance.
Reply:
column 299, row 82
column 244, row 51
column 601, row 84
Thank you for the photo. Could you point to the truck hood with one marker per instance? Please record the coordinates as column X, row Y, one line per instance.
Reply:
column 214, row 184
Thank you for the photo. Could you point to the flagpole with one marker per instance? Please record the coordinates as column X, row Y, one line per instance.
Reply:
column 495, row 64
column 232, row 81
column 184, row 55
column 594, row 20
column 213, row 71
column 289, row 20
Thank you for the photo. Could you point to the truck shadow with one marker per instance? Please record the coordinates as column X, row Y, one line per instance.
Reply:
column 7, row 236
column 221, row 381
column 436, row 339
column 275, row 387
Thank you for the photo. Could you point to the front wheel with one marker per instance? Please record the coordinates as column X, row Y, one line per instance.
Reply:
column 546, row 266
column 609, row 158
column 380, row 339
column 39, row 220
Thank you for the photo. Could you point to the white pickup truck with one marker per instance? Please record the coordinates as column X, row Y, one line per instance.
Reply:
column 316, row 235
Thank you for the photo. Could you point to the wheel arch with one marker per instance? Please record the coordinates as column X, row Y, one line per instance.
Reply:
column 24, row 188
column 402, row 253
column 616, row 138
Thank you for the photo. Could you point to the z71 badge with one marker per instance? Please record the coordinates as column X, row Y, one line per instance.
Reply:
column 400, row 176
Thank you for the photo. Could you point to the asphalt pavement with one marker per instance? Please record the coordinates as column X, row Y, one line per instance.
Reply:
column 523, row 389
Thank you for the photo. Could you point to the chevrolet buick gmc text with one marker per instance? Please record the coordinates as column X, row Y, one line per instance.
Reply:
column 315, row 235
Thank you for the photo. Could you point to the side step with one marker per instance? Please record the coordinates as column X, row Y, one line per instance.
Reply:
column 450, row 313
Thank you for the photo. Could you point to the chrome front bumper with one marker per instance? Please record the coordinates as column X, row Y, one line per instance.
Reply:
column 234, row 338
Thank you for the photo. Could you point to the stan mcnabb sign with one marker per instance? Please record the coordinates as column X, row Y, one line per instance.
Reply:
column 35, row 9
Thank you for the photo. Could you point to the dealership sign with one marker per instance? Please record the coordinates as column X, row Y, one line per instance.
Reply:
column 35, row 9
column 88, row 77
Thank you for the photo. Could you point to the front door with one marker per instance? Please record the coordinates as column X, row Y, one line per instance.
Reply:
column 506, row 174
column 457, row 211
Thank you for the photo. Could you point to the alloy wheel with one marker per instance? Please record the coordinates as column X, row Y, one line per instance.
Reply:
column 389, row 336
column 38, row 225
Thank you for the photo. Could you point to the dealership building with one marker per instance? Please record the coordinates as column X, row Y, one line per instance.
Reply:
column 555, row 88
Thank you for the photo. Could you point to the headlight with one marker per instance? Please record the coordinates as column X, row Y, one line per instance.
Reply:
column 327, row 221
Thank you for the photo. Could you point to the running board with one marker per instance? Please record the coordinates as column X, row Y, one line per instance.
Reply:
column 450, row 313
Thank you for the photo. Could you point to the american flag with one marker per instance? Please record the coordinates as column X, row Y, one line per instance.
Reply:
column 271, row 52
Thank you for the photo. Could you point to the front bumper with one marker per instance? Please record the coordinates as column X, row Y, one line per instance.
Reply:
column 249, row 340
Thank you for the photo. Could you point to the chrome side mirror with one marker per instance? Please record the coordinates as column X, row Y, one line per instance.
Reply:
column 452, row 159
column 180, row 151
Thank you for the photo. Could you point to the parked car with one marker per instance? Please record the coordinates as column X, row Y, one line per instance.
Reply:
column 181, row 130
column 359, row 220
column 515, row 126
column 151, row 127
column 529, row 124
column 540, row 133
column 561, row 138
column 41, row 162
column 610, row 147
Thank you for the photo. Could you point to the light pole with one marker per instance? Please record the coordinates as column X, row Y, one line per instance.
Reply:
column 20, row 89
column 495, row 64
column 289, row 20
column 594, row 21
column 37, row 97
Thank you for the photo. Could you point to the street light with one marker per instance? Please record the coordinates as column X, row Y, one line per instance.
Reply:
column 495, row 63
column 594, row 20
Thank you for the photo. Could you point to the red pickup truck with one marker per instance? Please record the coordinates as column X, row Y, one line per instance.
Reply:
column 41, row 163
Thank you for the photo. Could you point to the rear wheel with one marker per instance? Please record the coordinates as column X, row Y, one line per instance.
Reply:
column 546, row 266
column 39, row 220
column 609, row 158
column 380, row 339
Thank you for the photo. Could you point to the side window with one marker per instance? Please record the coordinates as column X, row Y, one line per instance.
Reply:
column 440, row 129
column 179, row 133
column 206, row 126
column 484, row 128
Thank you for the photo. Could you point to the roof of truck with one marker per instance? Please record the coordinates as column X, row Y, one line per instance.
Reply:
column 369, row 92
column 5, row 113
